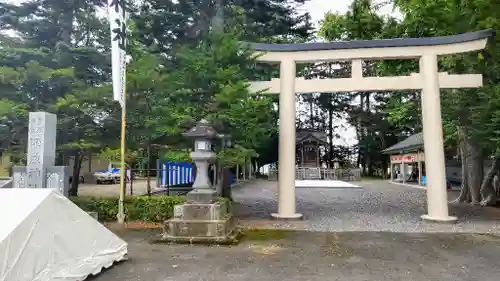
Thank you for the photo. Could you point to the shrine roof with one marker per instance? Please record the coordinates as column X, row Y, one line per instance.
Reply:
column 381, row 43
column 412, row 143
column 302, row 135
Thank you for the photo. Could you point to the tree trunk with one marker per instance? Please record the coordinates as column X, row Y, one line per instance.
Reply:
column 237, row 173
column 220, row 178
column 488, row 192
column 362, row 139
column 67, row 21
column 244, row 169
column 475, row 171
column 249, row 165
column 330, row 132
column 5, row 143
column 77, row 164
column 369, row 136
column 226, row 184
column 465, row 195
column 218, row 19
column 148, row 170
column 496, row 184
column 311, row 112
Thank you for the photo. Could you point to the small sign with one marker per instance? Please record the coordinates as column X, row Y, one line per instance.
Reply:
column 406, row 158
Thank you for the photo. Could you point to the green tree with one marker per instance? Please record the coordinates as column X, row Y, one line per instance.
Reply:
column 58, row 63
column 376, row 125
column 468, row 114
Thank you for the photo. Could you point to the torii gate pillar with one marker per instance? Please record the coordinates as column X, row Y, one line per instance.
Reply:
column 437, row 196
column 286, row 156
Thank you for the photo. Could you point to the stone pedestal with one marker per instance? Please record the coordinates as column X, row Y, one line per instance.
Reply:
column 202, row 196
column 201, row 223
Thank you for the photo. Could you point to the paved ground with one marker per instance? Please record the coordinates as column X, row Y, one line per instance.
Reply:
column 370, row 238
column 139, row 187
column 377, row 206
column 300, row 256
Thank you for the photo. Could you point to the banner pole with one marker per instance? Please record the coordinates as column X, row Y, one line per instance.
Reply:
column 121, row 207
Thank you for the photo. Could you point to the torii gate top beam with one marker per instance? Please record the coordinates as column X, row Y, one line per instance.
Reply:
column 398, row 48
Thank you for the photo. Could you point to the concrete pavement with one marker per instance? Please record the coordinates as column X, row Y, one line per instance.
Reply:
column 300, row 256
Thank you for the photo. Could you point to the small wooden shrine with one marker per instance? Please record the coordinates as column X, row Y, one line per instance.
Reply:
column 309, row 145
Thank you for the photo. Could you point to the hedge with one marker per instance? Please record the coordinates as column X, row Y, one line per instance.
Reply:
column 138, row 208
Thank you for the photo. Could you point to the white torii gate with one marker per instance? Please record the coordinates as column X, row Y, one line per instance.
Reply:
column 429, row 80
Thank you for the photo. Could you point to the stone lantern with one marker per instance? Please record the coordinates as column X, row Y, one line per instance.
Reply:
column 202, row 219
column 203, row 135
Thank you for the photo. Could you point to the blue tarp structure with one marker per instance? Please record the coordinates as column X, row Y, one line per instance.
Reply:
column 178, row 173
column 175, row 173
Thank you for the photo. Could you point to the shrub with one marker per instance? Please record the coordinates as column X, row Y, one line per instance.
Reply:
column 143, row 208
column 138, row 208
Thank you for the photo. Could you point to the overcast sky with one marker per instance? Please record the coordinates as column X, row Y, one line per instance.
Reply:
column 318, row 8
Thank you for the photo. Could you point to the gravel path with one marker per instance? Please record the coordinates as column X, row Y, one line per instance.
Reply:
column 377, row 206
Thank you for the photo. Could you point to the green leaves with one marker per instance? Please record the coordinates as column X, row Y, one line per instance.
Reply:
column 177, row 155
column 472, row 109
column 230, row 157
column 61, row 64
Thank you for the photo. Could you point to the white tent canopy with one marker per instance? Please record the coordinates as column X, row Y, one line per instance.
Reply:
column 44, row 236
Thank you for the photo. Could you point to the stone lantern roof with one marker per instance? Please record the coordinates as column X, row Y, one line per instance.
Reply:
column 201, row 130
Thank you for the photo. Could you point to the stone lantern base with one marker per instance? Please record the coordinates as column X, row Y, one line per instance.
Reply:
column 202, row 196
column 201, row 223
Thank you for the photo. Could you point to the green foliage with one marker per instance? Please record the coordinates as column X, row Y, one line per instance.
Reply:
column 264, row 20
column 386, row 118
column 113, row 156
column 380, row 118
column 210, row 81
column 142, row 208
column 360, row 22
column 60, row 62
column 471, row 109
column 62, row 71
column 176, row 155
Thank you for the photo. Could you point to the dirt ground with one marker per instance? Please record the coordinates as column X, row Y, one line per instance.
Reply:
column 304, row 255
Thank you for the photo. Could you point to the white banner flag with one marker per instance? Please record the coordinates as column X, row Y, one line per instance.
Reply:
column 117, row 22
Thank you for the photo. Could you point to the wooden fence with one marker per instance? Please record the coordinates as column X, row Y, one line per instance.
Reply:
column 303, row 173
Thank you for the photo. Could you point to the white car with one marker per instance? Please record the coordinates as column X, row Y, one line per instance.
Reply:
column 112, row 176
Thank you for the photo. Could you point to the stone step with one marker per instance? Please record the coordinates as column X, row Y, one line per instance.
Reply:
column 214, row 211
column 199, row 228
